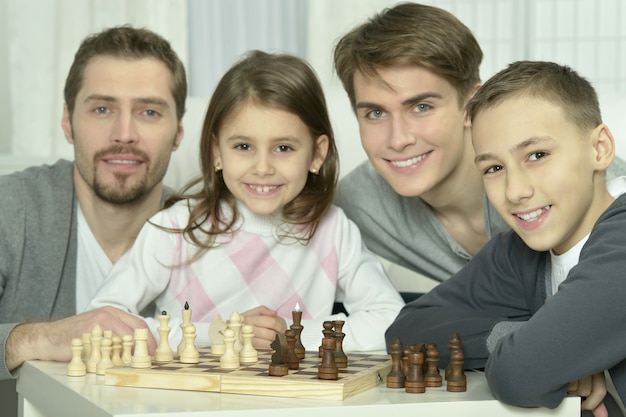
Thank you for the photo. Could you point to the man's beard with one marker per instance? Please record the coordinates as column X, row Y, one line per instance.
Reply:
column 121, row 192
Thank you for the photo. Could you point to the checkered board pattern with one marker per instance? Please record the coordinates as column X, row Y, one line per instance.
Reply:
column 364, row 372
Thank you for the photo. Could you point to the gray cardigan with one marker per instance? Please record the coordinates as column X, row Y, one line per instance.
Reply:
column 37, row 248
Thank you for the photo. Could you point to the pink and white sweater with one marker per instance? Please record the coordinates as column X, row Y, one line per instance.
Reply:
column 253, row 267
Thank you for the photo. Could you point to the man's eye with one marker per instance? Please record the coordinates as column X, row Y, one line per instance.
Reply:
column 101, row 110
column 375, row 114
column 152, row 113
column 422, row 107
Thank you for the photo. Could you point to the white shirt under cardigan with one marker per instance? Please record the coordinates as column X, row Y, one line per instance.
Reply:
column 254, row 268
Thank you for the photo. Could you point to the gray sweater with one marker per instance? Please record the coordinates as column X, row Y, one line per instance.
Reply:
column 404, row 230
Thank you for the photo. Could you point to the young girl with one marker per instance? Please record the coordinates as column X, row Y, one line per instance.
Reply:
column 258, row 233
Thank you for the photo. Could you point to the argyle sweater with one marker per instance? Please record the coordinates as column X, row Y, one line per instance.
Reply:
column 254, row 267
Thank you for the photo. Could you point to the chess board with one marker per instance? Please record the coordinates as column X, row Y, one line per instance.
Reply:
column 364, row 371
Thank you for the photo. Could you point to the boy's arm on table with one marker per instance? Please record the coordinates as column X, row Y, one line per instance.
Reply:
column 487, row 294
column 577, row 333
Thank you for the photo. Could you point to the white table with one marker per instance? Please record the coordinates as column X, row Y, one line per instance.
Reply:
column 45, row 390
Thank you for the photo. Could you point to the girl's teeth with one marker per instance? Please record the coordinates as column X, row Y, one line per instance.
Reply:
column 263, row 188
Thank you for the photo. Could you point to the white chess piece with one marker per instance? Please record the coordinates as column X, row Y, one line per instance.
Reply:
column 164, row 352
column 94, row 358
column 116, row 357
column 216, row 334
column 186, row 320
column 105, row 357
column 235, row 322
column 230, row 359
column 248, row 353
column 141, row 358
column 189, row 354
column 76, row 367
column 127, row 346
column 86, row 347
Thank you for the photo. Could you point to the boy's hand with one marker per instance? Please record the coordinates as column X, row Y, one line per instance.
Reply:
column 266, row 325
column 593, row 390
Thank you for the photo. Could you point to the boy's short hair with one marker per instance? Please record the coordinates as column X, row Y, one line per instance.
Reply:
column 129, row 43
column 558, row 84
column 411, row 34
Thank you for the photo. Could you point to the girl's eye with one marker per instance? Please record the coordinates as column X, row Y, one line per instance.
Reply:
column 284, row 148
column 242, row 146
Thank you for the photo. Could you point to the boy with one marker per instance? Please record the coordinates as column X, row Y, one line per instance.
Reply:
column 409, row 71
column 537, row 306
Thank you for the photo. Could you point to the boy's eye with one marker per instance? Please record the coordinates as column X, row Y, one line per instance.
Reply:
column 492, row 169
column 536, row 156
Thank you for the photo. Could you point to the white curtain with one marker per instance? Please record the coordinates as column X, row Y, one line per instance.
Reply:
column 40, row 38
column 588, row 35
column 221, row 31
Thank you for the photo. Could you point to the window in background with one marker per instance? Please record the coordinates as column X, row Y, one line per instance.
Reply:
column 221, row 31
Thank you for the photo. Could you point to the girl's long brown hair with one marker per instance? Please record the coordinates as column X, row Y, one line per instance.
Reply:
column 279, row 81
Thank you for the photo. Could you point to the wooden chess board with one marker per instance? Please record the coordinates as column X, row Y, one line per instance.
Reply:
column 364, row 372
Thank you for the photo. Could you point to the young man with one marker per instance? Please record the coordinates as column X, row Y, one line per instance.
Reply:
column 409, row 71
column 540, row 305
column 65, row 225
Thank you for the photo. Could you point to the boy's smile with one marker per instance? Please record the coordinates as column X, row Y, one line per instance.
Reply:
column 542, row 172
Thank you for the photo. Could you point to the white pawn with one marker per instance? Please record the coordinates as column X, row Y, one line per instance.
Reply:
column 141, row 358
column 94, row 358
column 248, row 353
column 235, row 323
column 189, row 354
column 116, row 357
column 164, row 352
column 86, row 347
column 230, row 359
column 105, row 360
column 76, row 367
column 127, row 347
